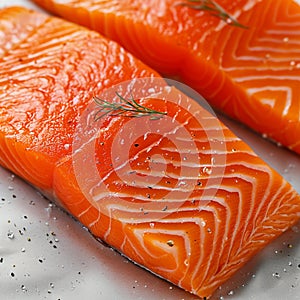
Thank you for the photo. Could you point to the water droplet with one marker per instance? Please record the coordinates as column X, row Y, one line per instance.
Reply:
column 290, row 263
column 67, row 146
column 203, row 223
column 230, row 293
column 228, row 21
column 286, row 39
column 23, row 250
column 152, row 225
column 186, row 262
column 207, row 170
column 292, row 63
column 10, row 188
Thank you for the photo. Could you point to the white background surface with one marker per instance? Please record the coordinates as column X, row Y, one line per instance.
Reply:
column 52, row 257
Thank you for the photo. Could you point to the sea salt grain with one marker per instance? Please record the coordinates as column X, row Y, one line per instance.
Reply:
column 10, row 235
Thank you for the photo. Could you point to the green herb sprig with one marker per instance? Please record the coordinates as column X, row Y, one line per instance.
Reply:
column 214, row 9
column 126, row 107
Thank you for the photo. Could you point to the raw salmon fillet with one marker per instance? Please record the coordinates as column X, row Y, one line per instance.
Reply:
column 252, row 75
column 192, row 217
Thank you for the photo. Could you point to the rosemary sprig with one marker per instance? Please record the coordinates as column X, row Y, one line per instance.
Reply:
column 215, row 10
column 126, row 107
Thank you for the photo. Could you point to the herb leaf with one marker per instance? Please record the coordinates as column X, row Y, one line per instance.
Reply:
column 214, row 9
column 126, row 107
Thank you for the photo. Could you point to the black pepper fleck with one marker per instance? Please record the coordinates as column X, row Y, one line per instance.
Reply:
column 136, row 145
column 165, row 208
column 12, row 274
column 1, row 259
column 170, row 243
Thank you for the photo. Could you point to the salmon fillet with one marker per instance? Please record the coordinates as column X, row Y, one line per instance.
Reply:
column 252, row 75
column 175, row 191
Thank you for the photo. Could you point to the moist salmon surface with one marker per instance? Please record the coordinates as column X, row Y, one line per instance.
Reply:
column 250, row 74
column 192, row 217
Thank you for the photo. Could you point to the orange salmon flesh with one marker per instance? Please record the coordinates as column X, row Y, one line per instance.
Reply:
column 187, row 200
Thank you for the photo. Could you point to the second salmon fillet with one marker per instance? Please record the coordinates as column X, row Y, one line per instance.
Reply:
column 252, row 74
